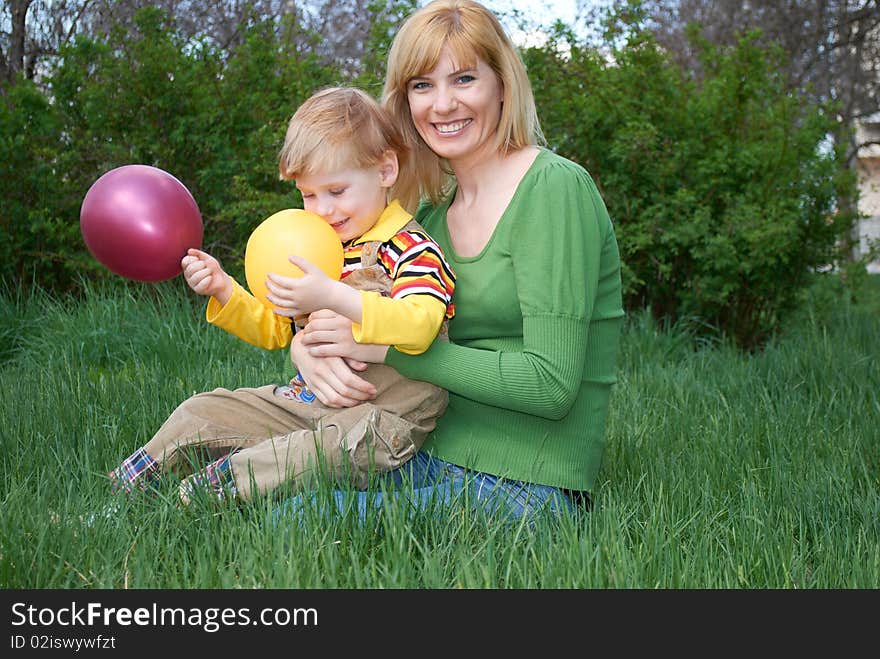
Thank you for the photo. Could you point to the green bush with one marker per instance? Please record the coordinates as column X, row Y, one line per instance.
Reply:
column 212, row 118
column 35, row 231
column 723, row 201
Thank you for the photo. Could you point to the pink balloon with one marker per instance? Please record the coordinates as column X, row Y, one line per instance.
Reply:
column 139, row 221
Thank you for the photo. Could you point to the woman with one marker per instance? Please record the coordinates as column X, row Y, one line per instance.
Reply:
column 533, row 347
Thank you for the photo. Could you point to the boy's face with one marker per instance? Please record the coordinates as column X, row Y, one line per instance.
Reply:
column 349, row 200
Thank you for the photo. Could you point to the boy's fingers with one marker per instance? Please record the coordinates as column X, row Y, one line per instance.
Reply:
column 301, row 263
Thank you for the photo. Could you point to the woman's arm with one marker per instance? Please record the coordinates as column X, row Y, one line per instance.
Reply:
column 328, row 334
column 558, row 247
column 542, row 379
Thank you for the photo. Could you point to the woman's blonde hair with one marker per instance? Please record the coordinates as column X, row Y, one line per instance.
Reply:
column 471, row 31
column 339, row 128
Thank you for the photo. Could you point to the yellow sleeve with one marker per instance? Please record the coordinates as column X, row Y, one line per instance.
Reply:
column 409, row 324
column 250, row 320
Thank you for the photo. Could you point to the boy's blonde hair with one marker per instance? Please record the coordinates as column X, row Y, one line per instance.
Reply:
column 338, row 128
column 471, row 31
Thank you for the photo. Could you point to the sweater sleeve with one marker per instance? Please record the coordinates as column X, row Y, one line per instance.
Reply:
column 536, row 380
column 250, row 320
column 555, row 237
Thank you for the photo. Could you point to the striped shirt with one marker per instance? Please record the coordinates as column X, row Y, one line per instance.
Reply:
column 414, row 262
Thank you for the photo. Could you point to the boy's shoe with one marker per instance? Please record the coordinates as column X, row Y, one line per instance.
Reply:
column 109, row 511
column 216, row 478
column 138, row 472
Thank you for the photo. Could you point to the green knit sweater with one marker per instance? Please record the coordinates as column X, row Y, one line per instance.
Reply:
column 533, row 345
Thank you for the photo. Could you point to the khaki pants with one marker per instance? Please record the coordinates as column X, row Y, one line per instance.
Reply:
column 283, row 440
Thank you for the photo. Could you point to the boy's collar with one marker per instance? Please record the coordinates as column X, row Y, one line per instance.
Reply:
column 392, row 220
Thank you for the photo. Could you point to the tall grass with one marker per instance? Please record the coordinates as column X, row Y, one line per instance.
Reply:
column 722, row 470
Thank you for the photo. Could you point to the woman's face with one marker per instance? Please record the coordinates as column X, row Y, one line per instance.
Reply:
column 456, row 110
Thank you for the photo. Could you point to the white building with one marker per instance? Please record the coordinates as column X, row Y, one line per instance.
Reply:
column 868, row 164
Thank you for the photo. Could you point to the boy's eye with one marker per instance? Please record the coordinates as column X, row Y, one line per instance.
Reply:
column 337, row 191
column 306, row 195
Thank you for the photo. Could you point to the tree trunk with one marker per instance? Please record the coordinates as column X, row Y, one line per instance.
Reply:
column 15, row 61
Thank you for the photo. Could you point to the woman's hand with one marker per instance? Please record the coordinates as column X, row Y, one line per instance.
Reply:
column 328, row 334
column 331, row 379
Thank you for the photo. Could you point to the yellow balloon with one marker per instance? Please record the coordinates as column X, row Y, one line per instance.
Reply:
column 291, row 231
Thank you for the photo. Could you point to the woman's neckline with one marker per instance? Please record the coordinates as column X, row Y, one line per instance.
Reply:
column 541, row 151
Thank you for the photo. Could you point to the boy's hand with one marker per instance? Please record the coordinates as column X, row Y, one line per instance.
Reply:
column 204, row 274
column 300, row 296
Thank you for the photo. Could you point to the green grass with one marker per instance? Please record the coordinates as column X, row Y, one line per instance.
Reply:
column 722, row 470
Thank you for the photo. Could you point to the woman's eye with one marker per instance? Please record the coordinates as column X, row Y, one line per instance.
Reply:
column 466, row 78
column 418, row 85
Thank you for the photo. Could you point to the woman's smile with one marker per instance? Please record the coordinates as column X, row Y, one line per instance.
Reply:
column 453, row 127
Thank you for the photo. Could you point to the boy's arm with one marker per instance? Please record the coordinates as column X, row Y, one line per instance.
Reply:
column 410, row 319
column 246, row 317
column 409, row 324
column 232, row 308
column 420, row 298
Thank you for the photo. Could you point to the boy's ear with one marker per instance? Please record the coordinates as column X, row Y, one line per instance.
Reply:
column 389, row 168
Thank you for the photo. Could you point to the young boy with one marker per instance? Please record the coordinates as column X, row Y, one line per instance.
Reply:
column 396, row 287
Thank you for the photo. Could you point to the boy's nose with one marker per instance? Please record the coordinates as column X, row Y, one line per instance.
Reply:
column 324, row 208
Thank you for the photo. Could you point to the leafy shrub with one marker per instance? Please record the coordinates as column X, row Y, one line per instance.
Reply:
column 723, row 201
column 214, row 119
column 35, row 229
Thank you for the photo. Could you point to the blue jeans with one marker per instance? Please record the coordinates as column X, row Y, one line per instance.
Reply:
column 427, row 483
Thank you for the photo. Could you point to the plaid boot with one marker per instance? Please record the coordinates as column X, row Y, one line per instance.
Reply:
column 138, row 472
column 215, row 478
